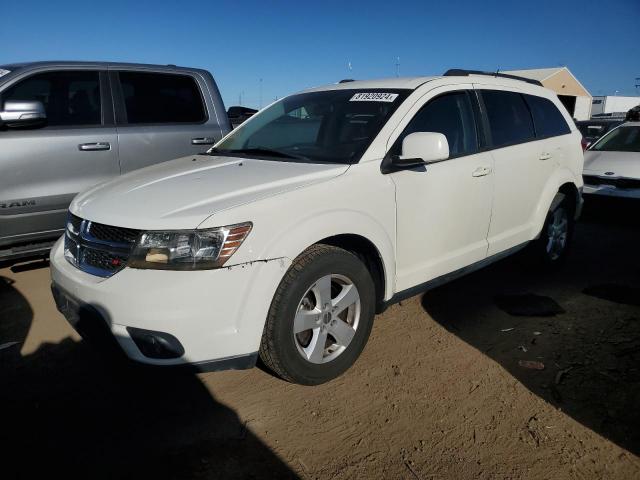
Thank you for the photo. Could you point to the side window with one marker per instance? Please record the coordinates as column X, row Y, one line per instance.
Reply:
column 70, row 98
column 161, row 98
column 509, row 118
column 450, row 114
column 547, row 119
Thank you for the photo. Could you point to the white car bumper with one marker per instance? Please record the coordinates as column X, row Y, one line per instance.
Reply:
column 611, row 191
column 215, row 315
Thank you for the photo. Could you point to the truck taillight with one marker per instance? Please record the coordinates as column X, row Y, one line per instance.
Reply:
column 584, row 144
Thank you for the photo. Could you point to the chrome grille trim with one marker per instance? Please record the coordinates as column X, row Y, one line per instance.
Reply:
column 97, row 256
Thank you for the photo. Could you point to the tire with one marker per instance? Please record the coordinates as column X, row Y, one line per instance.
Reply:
column 297, row 353
column 551, row 248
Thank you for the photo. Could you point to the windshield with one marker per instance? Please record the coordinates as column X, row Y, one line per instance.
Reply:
column 622, row 139
column 331, row 126
column 595, row 130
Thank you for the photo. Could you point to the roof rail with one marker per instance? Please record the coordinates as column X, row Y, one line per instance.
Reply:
column 459, row 72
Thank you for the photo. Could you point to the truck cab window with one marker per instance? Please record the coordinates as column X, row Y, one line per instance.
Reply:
column 70, row 98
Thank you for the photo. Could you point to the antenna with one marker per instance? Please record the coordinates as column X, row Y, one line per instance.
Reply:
column 349, row 66
column 397, row 66
column 637, row 82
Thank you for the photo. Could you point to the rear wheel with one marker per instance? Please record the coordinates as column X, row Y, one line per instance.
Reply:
column 553, row 244
column 320, row 317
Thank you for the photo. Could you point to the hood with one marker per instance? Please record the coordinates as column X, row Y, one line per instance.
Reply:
column 182, row 193
column 621, row 164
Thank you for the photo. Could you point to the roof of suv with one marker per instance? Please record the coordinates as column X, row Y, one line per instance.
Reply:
column 403, row 83
column 411, row 83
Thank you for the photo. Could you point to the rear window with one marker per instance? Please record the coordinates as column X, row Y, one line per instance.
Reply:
column 509, row 118
column 547, row 119
column 161, row 98
column 623, row 139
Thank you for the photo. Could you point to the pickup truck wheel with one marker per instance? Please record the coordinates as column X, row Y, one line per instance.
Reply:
column 553, row 244
column 320, row 317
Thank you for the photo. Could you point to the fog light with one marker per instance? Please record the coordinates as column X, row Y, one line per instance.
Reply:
column 156, row 344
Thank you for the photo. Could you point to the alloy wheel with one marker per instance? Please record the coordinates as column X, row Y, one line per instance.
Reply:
column 327, row 318
column 557, row 233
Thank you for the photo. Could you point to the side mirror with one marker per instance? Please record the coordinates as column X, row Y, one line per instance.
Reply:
column 23, row 113
column 418, row 149
column 430, row 147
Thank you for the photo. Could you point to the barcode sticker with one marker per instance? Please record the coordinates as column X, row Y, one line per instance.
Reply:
column 374, row 97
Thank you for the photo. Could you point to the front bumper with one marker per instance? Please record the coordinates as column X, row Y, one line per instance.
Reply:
column 611, row 191
column 215, row 315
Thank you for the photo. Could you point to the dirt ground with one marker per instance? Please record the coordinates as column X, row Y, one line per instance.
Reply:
column 443, row 389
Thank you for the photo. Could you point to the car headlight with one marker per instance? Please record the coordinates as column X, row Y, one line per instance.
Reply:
column 188, row 249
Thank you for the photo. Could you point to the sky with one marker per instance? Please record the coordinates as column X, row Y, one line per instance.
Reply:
column 263, row 50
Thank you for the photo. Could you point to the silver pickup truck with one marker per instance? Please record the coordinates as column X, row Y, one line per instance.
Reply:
column 65, row 126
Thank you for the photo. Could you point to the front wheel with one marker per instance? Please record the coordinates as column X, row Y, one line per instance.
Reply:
column 320, row 317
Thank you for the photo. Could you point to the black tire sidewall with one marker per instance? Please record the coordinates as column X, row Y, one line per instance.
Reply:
column 339, row 262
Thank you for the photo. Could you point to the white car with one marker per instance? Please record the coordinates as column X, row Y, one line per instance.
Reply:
column 612, row 164
column 287, row 237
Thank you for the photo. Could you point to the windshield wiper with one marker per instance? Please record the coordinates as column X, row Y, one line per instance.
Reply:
column 257, row 151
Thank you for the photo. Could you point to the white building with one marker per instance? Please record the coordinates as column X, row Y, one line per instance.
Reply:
column 571, row 92
column 613, row 104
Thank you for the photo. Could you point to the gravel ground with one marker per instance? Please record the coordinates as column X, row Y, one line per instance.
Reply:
column 508, row 373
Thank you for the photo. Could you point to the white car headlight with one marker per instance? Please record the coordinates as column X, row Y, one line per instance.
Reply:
column 188, row 249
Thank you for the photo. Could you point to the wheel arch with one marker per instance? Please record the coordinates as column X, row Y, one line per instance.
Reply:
column 560, row 186
column 571, row 192
column 352, row 230
column 366, row 250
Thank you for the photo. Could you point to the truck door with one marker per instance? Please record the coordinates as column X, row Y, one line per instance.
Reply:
column 42, row 168
column 161, row 116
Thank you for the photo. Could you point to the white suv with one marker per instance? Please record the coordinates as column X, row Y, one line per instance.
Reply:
column 287, row 237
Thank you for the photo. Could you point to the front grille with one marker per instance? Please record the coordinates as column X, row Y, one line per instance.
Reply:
column 106, row 261
column 623, row 183
column 96, row 248
column 107, row 233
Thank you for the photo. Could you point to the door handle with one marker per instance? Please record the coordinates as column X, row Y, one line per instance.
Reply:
column 92, row 147
column 481, row 171
column 545, row 156
column 203, row 141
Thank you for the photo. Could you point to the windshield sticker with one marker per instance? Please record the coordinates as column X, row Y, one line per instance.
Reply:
column 4, row 72
column 374, row 97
